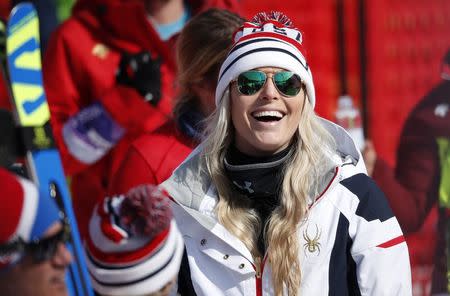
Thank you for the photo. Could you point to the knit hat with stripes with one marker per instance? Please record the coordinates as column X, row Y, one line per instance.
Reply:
column 26, row 213
column 269, row 40
column 134, row 246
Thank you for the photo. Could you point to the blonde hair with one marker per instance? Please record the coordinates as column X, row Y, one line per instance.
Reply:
column 309, row 163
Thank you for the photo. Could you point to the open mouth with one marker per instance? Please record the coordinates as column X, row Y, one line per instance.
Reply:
column 268, row 116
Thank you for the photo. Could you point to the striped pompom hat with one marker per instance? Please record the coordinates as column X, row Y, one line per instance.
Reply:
column 134, row 246
column 269, row 40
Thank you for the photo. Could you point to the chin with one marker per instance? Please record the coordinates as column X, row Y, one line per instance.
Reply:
column 58, row 287
column 268, row 148
column 271, row 144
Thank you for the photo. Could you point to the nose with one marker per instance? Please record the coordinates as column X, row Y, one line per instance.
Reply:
column 269, row 91
column 62, row 256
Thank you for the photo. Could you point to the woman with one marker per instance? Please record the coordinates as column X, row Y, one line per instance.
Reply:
column 276, row 200
column 108, row 76
column 202, row 47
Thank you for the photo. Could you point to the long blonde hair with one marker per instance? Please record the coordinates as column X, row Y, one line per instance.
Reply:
column 309, row 163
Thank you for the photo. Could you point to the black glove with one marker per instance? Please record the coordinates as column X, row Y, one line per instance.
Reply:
column 142, row 73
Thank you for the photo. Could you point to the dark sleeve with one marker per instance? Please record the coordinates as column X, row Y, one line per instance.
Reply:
column 412, row 187
column 185, row 286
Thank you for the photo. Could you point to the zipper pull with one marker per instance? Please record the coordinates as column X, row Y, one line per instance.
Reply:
column 258, row 267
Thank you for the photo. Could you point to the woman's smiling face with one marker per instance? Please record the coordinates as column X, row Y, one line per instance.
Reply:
column 266, row 121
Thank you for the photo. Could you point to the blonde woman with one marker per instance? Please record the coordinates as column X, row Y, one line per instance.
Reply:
column 276, row 200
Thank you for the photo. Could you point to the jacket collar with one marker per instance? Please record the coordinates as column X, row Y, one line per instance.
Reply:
column 190, row 185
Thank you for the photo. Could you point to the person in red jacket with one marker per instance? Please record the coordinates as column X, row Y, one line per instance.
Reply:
column 202, row 47
column 109, row 76
column 422, row 175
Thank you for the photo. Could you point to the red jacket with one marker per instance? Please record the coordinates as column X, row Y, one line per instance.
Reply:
column 5, row 100
column 413, row 187
column 79, row 68
column 152, row 158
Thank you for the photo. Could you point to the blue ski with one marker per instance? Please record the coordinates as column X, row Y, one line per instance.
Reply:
column 33, row 115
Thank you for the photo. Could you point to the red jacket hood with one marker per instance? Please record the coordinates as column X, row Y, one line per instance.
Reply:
column 118, row 16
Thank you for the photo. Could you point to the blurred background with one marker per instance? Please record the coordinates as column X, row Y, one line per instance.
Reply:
column 386, row 54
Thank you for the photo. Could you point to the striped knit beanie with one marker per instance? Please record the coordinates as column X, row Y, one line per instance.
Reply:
column 26, row 213
column 269, row 40
column 134, row 246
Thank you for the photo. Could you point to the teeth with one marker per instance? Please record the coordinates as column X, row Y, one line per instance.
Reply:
column 268, row 113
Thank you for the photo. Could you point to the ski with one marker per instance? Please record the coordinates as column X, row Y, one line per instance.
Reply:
column 32, row 115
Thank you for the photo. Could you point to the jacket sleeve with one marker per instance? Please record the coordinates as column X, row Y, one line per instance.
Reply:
column 384, row 271
column 378, row 247
column 62, row 94
column 133, row 171
column 412, row 187
column 72, row 82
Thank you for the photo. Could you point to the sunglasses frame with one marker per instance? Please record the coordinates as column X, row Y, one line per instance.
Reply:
column 273, row 81
column 34, row 248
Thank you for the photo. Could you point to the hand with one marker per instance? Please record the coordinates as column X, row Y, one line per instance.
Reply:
column 145, row 211
column 370, row 156
column 142, row 73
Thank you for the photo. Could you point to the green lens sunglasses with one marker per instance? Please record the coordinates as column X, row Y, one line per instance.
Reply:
column 287, row 83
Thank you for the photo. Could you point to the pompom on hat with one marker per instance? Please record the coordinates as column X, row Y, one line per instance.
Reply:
column 26, row 212
column 134, row 246
column 269, row 40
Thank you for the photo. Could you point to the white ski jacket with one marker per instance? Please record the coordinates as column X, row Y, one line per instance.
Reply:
column 350, row 243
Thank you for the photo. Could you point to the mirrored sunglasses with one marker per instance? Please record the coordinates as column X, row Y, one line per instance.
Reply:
column 287, row 83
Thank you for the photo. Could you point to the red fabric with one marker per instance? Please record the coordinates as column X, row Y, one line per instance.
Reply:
column 5, row 8
column 151, row 159
column 130, row 257
column 79, row 68
column 392, row 242
column 5, row 102
column 109, row 231
column 11, row 205
column 401, row 69
column 412, row 188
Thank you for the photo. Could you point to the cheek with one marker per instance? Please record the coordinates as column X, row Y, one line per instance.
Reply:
column 238, row 110
column 294, row 120
column 32, row 273
column 296, row 108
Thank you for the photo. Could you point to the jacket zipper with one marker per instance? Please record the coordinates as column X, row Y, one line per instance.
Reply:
column 259, row 266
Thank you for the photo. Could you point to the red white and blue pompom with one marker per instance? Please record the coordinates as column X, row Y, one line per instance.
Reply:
column 276, row 16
